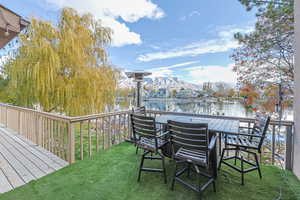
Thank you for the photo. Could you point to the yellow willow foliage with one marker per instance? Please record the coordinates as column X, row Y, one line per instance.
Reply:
column 64, row 68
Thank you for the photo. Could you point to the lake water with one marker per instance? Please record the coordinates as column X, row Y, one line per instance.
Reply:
column 232, row 108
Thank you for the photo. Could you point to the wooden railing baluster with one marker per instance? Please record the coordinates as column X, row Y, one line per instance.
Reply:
column 273, row 144
column 103, row 134
column 90, row 138
column 97, row 136
column 81, row 140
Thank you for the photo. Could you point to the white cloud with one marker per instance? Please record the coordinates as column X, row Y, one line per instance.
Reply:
column 224, row 42
column 168, row 70
column 121, row 33
column 197, row 74
column 161, row 73
column 177, row 65
column 211, row 73
column 154, row 46
column 193, row 13
column 4, row 59
column 110, row 10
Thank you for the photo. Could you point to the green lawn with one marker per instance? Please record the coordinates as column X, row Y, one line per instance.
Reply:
column 112, row 175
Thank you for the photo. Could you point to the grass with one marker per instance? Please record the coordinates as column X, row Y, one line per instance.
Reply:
column 112, row 174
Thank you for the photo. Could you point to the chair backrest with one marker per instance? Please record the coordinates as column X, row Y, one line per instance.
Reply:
column 142, row 126
column 139, row 110
column 260, row 127
column 189, row 135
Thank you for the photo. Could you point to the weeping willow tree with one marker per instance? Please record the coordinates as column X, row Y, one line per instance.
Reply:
column 63, row 68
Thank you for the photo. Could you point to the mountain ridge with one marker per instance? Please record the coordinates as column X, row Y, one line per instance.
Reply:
column 172, row 83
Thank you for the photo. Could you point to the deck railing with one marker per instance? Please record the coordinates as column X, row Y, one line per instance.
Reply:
column 70, row 138
column 98, row 132
column 277, row 148
column 48, row 130
column 75, row 138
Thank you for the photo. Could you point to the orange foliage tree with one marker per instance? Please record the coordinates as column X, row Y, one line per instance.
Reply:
column 250, row 95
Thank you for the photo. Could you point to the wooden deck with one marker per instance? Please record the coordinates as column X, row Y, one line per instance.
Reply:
column 21, row 161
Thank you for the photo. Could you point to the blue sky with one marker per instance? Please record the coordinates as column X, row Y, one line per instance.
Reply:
column 190, row 39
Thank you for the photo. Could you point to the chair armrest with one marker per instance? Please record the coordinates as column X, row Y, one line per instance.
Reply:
column 163, row 134
column 245, row 127
column 250, row 135
column 157, row 130
column 212, row 143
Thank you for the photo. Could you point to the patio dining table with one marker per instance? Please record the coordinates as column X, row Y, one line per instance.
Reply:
column 216, row 126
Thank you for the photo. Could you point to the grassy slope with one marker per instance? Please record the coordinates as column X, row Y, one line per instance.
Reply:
column 112, row 175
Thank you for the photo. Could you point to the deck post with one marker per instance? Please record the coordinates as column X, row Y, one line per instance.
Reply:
column 71, row 137
column 6, row 117
column 289, row 148
column 296, row 143
column 19, row 122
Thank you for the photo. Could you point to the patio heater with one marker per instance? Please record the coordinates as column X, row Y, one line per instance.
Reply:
column 138, row 77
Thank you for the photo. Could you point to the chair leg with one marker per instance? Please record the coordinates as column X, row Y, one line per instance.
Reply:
column 141, row 166
column 137, row 150
column 199, row 183
column 236, row 155
column 220, row 162
column 214, row 186
column 174, row 176
column 227, row 153
column 260, row 158
column 164, row 168
column 258, row 166
column 242, row 169
column 188, row 170
column 220, row 143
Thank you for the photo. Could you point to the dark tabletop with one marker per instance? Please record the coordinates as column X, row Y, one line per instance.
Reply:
column 214, row 124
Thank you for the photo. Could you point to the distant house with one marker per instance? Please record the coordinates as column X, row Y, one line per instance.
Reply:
column 162, row 93
column 187, row 93
column 207, row 86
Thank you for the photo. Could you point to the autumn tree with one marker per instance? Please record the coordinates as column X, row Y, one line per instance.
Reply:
column 271, row 98
column 173, row 93
column 125, row 92
column 231, row 92
column 267, row 54
column 63, row 68
column 250, row 95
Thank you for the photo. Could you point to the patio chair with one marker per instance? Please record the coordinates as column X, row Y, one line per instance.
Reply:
column 192, row 148
column 139, row 110
column 147, row 137
column 250, row 143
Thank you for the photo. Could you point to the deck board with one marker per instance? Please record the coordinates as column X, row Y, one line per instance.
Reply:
column 10, row 173
column 37, row 172
column 27, row 153
column 21, row 161
column 5, row 186
column 22, row 171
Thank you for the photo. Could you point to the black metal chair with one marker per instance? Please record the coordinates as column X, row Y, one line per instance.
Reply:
column 193, row 148
column 139, row 110
column 250, row 142
column 147, row 137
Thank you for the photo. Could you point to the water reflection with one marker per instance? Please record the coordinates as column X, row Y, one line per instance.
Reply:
column 226, row 108
column 229, row 108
